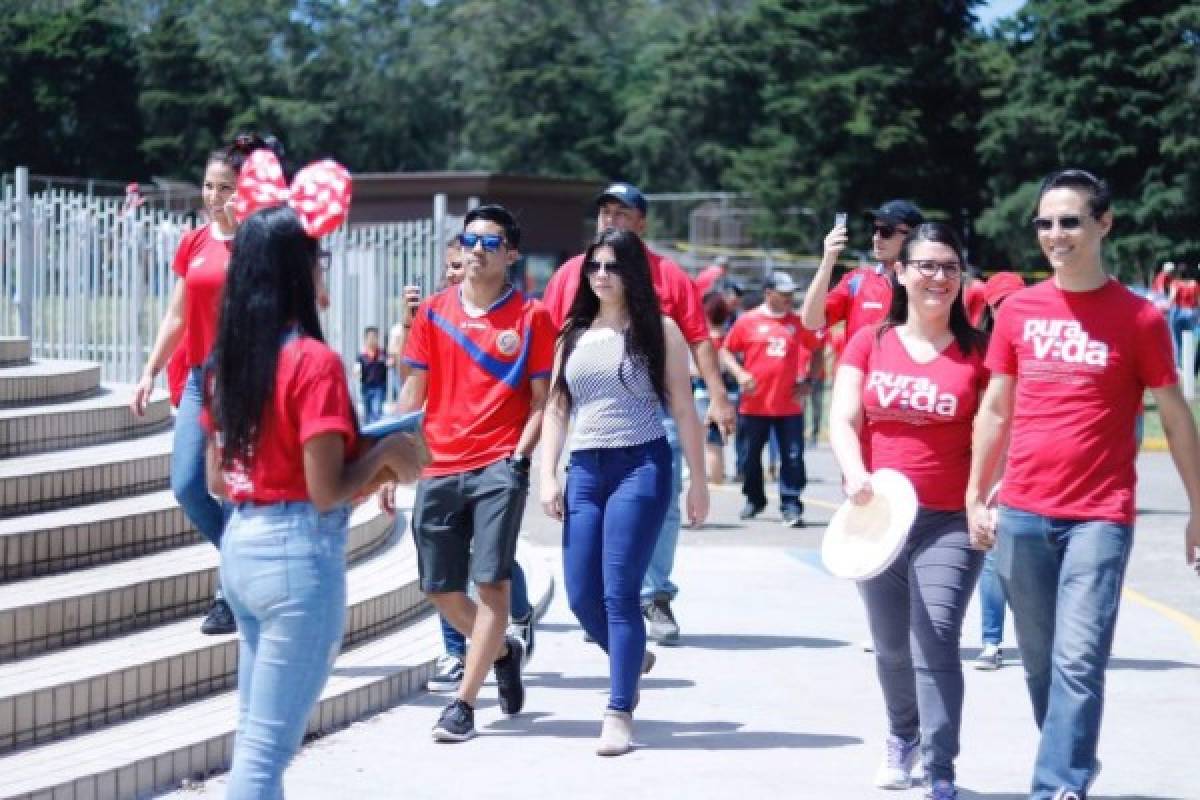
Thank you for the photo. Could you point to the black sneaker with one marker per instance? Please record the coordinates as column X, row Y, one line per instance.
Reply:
column 660, row 622
column 508, row 677
column 457, row 723
column 523, row 629
column 750, row 511
column 219, row 619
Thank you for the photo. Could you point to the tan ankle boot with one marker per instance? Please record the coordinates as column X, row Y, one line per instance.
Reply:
column 616, row 737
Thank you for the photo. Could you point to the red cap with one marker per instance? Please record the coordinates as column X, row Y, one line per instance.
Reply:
column 1000, row 286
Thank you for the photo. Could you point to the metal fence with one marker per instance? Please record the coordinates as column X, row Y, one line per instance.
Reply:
column 86, row 277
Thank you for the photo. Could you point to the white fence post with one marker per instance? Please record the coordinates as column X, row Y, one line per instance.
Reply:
column 24, row 254
column 1188, row 360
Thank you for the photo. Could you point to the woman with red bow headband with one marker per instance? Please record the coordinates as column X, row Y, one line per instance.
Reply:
column 279, row 407
column 188, row 330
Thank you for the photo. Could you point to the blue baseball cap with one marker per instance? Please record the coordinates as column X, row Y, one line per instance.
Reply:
column 626, row 194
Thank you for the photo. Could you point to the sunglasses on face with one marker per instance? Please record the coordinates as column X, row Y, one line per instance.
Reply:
column 888, row 231
column 491, row 241
column 611, row 267
column 1067, row 223
column 930, row 269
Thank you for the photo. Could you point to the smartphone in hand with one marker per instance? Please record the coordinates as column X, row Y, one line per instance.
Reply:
column 839, row 219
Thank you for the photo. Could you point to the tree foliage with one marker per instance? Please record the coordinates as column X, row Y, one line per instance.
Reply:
column 805, row 105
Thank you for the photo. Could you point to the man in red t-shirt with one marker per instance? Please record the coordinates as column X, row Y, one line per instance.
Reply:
column 863, row 295
column 623, row 206
column 775, row 376
column 480, row 355
column 1070, row 359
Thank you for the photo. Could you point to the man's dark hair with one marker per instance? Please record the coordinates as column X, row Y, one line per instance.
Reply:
column 501, row 216
column 1099, row 195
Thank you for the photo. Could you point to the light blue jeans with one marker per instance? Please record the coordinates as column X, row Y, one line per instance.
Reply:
column 187, row 464
column 658, row 576
column 991, row 601
column 284, row 570
column 1063, row 580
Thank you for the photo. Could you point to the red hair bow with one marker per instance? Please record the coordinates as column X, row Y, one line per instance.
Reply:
column 320, row 193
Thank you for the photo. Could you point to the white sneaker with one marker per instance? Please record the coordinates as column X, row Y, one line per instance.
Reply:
column 896, row 771
column 991, row 657
column 616, row 735
column 447, row 674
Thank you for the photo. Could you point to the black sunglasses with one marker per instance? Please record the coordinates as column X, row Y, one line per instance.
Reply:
column 611, row 267
column 1070, row 222
column 888, row 231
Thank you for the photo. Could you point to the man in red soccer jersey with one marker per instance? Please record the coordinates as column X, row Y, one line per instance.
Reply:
column 863, row 295
column 623, row 206
column 1070, row 359
column 774, row 375
column 481, row 355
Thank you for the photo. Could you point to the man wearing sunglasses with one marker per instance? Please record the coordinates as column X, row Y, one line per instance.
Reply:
column 863, row 295
column 622, row 205
column 1070, row 360
column 480, row 355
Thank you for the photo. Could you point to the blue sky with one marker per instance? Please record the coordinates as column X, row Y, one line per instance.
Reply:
column 994, row 9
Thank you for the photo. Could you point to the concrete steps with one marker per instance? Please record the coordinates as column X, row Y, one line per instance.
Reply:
column 54, row 611
column 103, row 416
column 47, row 381
column 107, row 686
column 71, row 691
column 100, row 533
column 85, row 475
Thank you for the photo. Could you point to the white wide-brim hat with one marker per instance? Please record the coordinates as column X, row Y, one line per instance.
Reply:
column 863, row 540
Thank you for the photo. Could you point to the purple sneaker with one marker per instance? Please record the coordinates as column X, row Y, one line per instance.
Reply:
column 942, row 790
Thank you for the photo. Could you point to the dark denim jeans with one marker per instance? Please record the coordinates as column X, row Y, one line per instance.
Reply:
column 792, row 477
column 1063, row 580
column 615, row 503
column 372, row 397
column 662, row 562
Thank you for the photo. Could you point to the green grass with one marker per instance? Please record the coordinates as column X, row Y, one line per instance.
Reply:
column 1153, row 423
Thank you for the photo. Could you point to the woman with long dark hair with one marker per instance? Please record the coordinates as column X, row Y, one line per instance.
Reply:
column 904, row 398
column 619, row 361
column 190, row 323
column 285, row 432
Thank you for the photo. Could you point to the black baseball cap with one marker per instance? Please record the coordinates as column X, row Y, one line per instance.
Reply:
column 626, row 194
column 898, row 212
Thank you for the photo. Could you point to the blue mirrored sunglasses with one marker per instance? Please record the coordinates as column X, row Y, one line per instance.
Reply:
column 491, row 241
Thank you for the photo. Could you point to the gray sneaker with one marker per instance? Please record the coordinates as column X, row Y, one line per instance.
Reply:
column 660, row 622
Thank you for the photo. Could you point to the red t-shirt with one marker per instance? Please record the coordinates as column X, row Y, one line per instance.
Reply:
column 310, row 398
column 1082, row 361
column 678, row 296
column 917, row 417
column 479, row 371
column 1186, row 294
column 861, row 298
column 975, row 300
column 775, row 350
column 201, row 261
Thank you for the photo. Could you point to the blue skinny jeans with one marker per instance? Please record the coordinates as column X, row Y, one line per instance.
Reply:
column 616, row 499
column 284, row 571
column 187, row 464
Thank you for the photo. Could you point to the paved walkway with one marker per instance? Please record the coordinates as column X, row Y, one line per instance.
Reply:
column 770, row 694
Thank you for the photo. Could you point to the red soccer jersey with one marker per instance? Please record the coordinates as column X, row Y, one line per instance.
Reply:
column 678, row 296
column 917, row 417
column 479, row 371
column 1082, row 361
column 201, row 261
column 310, row 398
column 775, row 350
column 1186, row 293
column 975, row 300
column 861, row 298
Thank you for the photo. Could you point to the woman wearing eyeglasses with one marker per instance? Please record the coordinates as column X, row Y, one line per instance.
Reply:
column 904, row 397
column 201, row 262
column 619, row 361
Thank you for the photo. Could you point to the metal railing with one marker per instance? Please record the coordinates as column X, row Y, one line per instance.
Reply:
column 86, row 277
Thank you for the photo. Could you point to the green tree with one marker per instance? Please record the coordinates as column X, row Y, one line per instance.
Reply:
column 68, row 87
column 1109, row 86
